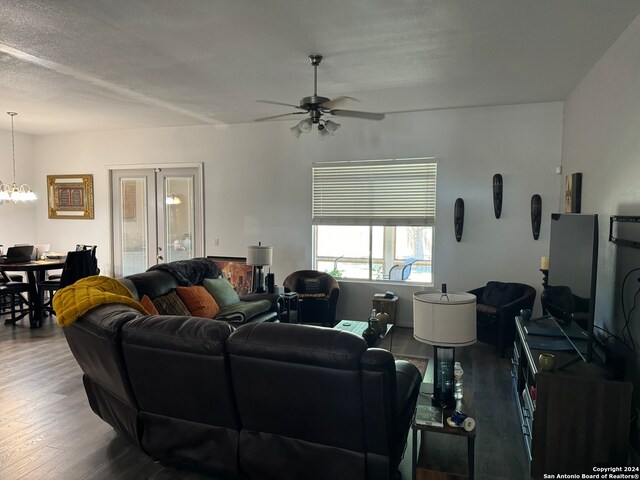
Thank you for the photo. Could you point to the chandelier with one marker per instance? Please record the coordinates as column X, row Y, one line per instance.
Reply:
column 15, row 193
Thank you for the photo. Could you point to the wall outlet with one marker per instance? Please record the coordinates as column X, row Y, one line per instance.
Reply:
column 217, row 242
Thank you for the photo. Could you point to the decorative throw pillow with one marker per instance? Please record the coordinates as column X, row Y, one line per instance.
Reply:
column 170, row 304
column 148, row 305
column 199, row 302
column 222, row 291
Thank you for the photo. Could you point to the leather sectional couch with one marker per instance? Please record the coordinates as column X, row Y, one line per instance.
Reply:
column 267, row 400
column 164, row 278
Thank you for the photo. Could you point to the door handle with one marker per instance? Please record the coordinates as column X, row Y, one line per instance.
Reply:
column 160, row 257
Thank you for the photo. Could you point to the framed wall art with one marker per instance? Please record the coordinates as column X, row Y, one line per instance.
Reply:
column 70, row 196
column 573, row 193
column 236, row 270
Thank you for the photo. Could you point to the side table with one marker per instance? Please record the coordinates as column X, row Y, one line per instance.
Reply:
column 290, row 303
column 440, row 457
column 386, row 305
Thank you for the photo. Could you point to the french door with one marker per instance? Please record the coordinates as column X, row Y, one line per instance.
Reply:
column 157, row 217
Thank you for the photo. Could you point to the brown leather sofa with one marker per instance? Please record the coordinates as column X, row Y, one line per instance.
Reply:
column 268, row 400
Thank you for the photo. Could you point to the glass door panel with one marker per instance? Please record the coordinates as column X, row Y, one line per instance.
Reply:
column 135, row 235
column 134, row 244
column 179, row 218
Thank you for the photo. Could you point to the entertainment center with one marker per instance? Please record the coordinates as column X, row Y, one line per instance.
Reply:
column 571, row 419
column 574, row 415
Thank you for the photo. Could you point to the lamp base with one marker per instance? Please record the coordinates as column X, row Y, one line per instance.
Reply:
column 443, row 376
column 258, row 279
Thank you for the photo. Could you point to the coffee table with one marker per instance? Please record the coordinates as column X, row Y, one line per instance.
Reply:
column 358, row 327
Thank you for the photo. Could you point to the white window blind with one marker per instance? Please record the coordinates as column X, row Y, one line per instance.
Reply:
column 375, row 193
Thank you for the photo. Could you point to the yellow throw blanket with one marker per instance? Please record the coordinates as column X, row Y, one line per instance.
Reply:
column 73, row 301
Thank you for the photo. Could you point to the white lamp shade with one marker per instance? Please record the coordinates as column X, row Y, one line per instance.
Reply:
column 259, row 255
column 444, row 320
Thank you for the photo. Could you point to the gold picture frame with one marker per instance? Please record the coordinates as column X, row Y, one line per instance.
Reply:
column 70, row 196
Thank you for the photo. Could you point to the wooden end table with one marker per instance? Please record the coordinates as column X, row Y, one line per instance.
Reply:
column 442, row 453
column 290, row 303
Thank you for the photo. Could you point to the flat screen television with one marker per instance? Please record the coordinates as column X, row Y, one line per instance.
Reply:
column 571, row 292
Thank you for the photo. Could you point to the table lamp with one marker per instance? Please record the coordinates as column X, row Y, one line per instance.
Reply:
column 444, row 320
column 259, row 256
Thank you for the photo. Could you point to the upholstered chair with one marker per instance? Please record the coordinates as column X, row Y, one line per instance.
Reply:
column 79, row 264
column 497, row 305
column 317, row 296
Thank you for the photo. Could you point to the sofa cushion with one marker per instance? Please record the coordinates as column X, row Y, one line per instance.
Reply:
column 170, row 304
column 498, row 294
column 222, row 291
column 199, row 301
column 148, row 305
column 243, row 311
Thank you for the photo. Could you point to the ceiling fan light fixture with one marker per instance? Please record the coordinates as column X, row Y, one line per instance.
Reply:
column 295, row 131
column 323, row 132
column 315, row 106
column 331, row 126
column 305, row 125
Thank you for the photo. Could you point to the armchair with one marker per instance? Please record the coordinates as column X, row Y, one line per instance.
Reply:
column 497, row 306
column 317, row 295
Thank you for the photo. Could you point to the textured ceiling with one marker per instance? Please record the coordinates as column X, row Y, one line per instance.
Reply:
column 80, row 65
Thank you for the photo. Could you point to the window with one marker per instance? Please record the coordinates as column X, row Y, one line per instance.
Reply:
column 374, row 220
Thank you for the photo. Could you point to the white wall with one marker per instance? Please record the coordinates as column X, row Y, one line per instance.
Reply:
column 258, row 184
column 602, row 140
column 18, row 221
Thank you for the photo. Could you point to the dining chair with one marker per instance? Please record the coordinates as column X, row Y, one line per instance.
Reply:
column 12, row 298
column 80, row 247
column 79, row 264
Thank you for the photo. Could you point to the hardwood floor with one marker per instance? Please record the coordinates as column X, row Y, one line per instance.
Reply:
column 48, row 431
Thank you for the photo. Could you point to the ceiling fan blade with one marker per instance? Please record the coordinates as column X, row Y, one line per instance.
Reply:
column 333, row 103
column 354, row 114
column 279, row 103
column 277, row 116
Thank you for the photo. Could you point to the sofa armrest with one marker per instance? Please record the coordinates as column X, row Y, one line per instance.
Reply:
column 277, row 303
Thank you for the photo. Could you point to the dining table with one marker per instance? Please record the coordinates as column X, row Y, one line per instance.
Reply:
column 35, row 271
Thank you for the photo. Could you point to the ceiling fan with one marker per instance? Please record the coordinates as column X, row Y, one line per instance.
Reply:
column 316, row 106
